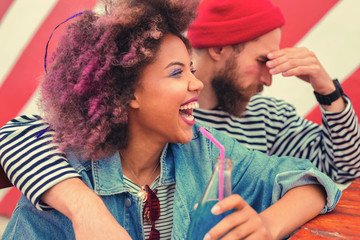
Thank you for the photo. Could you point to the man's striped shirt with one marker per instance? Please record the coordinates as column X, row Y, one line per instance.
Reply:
column 273, row 127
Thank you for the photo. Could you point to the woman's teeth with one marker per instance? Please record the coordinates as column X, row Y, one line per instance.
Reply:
column 190, row 106
column 186, row 112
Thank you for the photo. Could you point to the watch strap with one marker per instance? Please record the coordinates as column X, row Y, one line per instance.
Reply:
column 329, row 98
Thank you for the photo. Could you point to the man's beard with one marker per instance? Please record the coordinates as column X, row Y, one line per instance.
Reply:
column 232, row 97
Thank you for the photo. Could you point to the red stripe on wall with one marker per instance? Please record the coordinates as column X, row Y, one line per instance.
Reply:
column 22, row 81
column 8, row 203
column 301, row 15
column 351, row 89
column 4, row 5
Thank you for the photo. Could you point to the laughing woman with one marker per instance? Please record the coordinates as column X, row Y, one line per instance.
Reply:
column 119, row 95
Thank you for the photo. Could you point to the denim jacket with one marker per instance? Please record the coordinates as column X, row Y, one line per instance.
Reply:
column 259, row 179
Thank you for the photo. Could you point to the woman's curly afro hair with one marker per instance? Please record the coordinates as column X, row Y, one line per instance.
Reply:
column 96, row 67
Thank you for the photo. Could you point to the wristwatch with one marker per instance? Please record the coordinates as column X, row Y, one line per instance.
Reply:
column 328, row 99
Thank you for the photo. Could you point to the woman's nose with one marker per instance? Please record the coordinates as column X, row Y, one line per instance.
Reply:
column 195, row 84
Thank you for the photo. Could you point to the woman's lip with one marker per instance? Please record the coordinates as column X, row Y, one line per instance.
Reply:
column 194, row 99
column 188, row 121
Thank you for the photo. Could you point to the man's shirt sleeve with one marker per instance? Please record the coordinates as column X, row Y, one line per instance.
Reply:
column 30, row 159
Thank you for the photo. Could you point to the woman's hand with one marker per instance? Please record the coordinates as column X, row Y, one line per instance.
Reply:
column 276, row 222
column 243, row 223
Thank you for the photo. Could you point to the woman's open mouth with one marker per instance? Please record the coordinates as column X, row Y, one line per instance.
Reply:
column 186, row 111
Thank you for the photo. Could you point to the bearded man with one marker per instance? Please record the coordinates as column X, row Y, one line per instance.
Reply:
column 235, row 53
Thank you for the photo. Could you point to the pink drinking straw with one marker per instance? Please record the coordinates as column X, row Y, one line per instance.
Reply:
column 222, row 158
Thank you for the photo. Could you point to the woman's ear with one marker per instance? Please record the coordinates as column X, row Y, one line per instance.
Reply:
column 215, row 53
column 134, row 103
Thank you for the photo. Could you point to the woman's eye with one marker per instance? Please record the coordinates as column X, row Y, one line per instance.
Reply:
column 175, row 72
column 193, row 70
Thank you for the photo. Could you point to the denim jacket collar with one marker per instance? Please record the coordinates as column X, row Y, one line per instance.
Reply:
column 108, row 175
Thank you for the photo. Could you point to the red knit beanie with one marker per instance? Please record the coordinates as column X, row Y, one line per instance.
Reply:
column 229, row 22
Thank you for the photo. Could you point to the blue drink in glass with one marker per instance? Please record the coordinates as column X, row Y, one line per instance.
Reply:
column 204, row 220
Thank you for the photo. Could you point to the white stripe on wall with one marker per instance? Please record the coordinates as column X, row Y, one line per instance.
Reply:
column 19, row 24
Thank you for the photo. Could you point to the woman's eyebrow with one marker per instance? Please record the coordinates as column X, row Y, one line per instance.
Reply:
column 174, row 63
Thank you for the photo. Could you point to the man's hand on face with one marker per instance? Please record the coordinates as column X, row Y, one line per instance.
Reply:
column 302, row 63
